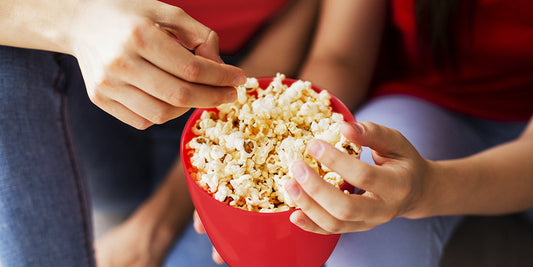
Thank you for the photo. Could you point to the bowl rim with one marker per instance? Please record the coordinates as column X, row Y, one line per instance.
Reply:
column 186, row 133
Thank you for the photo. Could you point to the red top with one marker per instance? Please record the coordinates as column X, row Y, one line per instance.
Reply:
column 495, row 62
column 235, row 21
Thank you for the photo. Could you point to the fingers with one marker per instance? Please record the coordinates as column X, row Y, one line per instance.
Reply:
column 301, row 220
column 321, row 191
column 354, row 171
column 157, row 47
column 173, row 90
column 191, row 33
column 197, row 223
column 199, row 227
column 385, row 141
column 216, row 257
column 320, row 215
column 120, row 112
column 146, row 106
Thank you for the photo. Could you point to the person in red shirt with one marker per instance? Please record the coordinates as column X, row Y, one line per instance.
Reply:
column 445, row 116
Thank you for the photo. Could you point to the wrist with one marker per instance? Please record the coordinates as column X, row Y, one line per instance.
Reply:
column 426, row 204
column 35, row 24
column 438, row 194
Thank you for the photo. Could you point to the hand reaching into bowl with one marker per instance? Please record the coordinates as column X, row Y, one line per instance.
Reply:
column 135, row 56
column 392, row 188
column 136, row 62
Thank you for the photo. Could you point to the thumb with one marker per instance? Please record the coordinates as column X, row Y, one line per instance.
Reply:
column 189, row 32
column 386, row 142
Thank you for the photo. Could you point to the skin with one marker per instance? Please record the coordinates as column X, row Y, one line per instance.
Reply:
column 130, row 55
column 137, row 66
column 152, row 228
column 345, row 48
column 403, row 184
column 344, row 25
column 145, row 237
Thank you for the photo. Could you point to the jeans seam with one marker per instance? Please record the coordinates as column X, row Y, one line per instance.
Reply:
column 78, row 179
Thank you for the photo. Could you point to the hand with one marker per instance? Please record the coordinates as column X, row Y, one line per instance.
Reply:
column 136, row 63
column 199, row 227
column 145, row 238
column 127, row 245
column 391, row 188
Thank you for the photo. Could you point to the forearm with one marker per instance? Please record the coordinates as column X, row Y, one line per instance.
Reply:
column 346, row 47
column 166, row 213
column 284, row 44
column 496, row 181
column 338, row 77
column 36, row 24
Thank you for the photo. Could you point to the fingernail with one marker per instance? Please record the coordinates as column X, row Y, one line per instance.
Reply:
column 231, row 96
column 315, row 148
column 239, row 80
column 299, row 171
column 293, row 190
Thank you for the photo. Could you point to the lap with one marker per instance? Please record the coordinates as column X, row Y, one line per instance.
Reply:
column 42, row 195
column 54, row 141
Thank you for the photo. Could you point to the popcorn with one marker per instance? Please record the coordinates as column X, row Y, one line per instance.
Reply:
column 243, row 152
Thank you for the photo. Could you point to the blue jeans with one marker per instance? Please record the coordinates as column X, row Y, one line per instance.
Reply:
column 54, row 146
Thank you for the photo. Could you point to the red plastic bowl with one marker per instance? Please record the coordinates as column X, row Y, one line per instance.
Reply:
column 246, row 238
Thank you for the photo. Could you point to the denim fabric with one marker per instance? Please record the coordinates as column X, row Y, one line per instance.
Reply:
column 55, row 147
column 44, row 212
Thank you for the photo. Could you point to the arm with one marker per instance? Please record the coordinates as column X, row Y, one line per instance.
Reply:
column 284, row 43
column 345, row 49
column 145, row 237
column 131, row 62
column 495, row 181
column 403, row 184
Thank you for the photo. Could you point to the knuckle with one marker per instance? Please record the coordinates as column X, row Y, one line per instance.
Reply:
column 328, row 158
column 160, row 117
column 217, row 98
column 119, row 65
column 177, row 12
column 179, row 97
column 333, row 227
column 372, row 128
column 142, row 124
column 191, row 71
column 343, row 214
column 366, row 178
column 139, row 32
column 95, row 97
column 173, row 10
column 385, row 217
column 105, row 86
